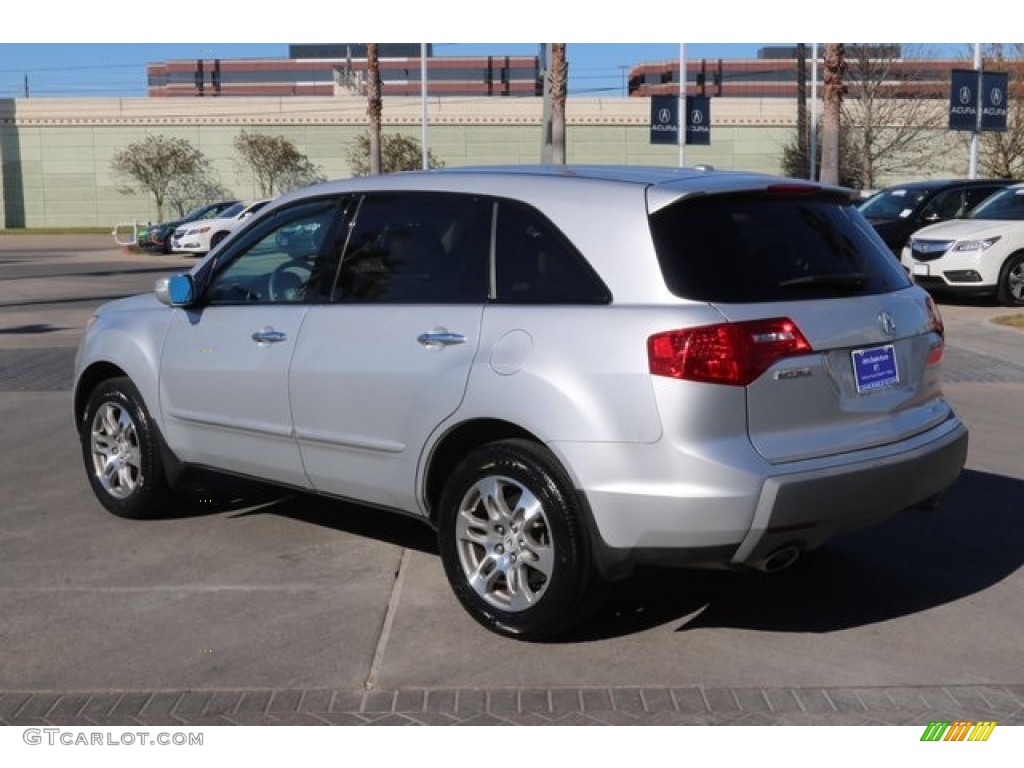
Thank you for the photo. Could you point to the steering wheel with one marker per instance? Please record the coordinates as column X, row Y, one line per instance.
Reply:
column 288, row 281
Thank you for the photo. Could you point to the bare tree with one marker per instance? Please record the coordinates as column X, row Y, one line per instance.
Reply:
column 835, row 67
column 1002, row 152
column 276, row 162
column 891, row 112
column 156, row 162
column 374, row 106
column 398, row 152
column 558, row 75
column 797, row 160
column 187, row 192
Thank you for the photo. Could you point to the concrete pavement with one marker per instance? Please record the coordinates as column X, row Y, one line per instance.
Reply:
column 254, row 605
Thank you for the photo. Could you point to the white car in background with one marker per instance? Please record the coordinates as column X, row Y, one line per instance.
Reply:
column 982, row 254
column 199, row 237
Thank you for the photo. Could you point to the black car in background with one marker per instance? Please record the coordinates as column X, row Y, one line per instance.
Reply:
column 157, row 237
column 897, row 212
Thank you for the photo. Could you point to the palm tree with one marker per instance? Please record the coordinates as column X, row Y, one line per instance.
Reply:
column 558, row 75
column 374, row 106
column 835, row 66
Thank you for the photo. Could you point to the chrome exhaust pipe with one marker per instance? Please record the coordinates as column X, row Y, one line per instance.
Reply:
column 779, row 560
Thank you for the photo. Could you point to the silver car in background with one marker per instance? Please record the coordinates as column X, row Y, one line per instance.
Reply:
column 565, row 371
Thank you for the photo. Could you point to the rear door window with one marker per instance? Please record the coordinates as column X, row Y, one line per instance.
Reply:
column 417, row 248
column 761, row 248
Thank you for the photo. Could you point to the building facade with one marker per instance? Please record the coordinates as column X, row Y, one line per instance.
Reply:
column 773, row 74
column 340, row 69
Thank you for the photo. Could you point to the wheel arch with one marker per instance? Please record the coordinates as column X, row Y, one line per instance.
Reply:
column 455, row 444
column 102, row 371
column 88, row 381
column 1002, row 289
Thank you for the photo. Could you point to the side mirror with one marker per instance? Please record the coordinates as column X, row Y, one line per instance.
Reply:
column 176, row 291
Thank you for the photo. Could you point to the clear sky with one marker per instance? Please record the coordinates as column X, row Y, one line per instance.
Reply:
column 91, row 49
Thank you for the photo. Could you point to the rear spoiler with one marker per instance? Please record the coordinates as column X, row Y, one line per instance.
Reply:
column 662, row 195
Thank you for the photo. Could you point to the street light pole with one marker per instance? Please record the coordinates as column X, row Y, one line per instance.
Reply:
column 681, row 121
column 423, row 95
column 972, row 168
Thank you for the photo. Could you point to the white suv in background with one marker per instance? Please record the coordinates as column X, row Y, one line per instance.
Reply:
column 565, row 371
column 982, row 254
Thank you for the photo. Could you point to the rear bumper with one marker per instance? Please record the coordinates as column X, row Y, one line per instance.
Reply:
column 710, row 514
column 808, row 508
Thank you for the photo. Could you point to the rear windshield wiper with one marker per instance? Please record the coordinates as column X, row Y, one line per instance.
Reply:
column 852, row 280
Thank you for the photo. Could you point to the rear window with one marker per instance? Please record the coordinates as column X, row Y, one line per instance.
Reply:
column 755, row 248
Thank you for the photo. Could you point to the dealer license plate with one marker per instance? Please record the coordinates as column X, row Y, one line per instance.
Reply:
column 875, row 368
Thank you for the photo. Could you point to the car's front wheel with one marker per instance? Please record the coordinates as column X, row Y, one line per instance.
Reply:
column 121, row 451
column 513, row 541
column 1011, row 281
column 217, row 239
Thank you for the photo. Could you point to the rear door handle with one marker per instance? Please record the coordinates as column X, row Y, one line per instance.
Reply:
column 440, row 339
column 269, row 336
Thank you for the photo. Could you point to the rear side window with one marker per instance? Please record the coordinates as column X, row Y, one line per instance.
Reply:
column 536, row 263
column 754, row 248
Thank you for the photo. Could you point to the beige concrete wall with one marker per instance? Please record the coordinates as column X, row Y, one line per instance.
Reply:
column 56, row 152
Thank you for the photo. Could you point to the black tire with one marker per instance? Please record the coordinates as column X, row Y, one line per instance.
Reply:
column 1011, row 281
column 121, row 452
column 538, row 576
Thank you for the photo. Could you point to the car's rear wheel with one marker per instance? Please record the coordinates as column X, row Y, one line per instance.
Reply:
column 121, row 451
column 1011, row 281
column 513, row 541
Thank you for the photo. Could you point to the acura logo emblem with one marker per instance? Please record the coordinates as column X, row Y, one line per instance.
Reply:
column 664, row 115
column 996, row 97
column 696, row 117
column 887, row 323
column 965, row 94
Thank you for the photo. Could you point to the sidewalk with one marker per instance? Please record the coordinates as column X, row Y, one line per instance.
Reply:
column 511, row 706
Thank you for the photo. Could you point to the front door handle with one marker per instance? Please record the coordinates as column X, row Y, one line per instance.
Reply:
column 436, row 339
column 268, row 335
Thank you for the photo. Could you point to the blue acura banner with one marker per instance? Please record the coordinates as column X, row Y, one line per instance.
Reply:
column 698, row 120
column 993, row 100
column 963, row 100
column 967, row 94
column 664, row 119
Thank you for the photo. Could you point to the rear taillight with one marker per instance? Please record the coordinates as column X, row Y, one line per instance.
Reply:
column 934, row 318
column 935, row 324
column 727, row 353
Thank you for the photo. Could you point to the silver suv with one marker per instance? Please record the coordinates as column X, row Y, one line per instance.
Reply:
column 566, row 372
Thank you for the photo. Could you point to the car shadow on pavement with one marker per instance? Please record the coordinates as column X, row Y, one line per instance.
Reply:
column 917, row 561
column 208, row 493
